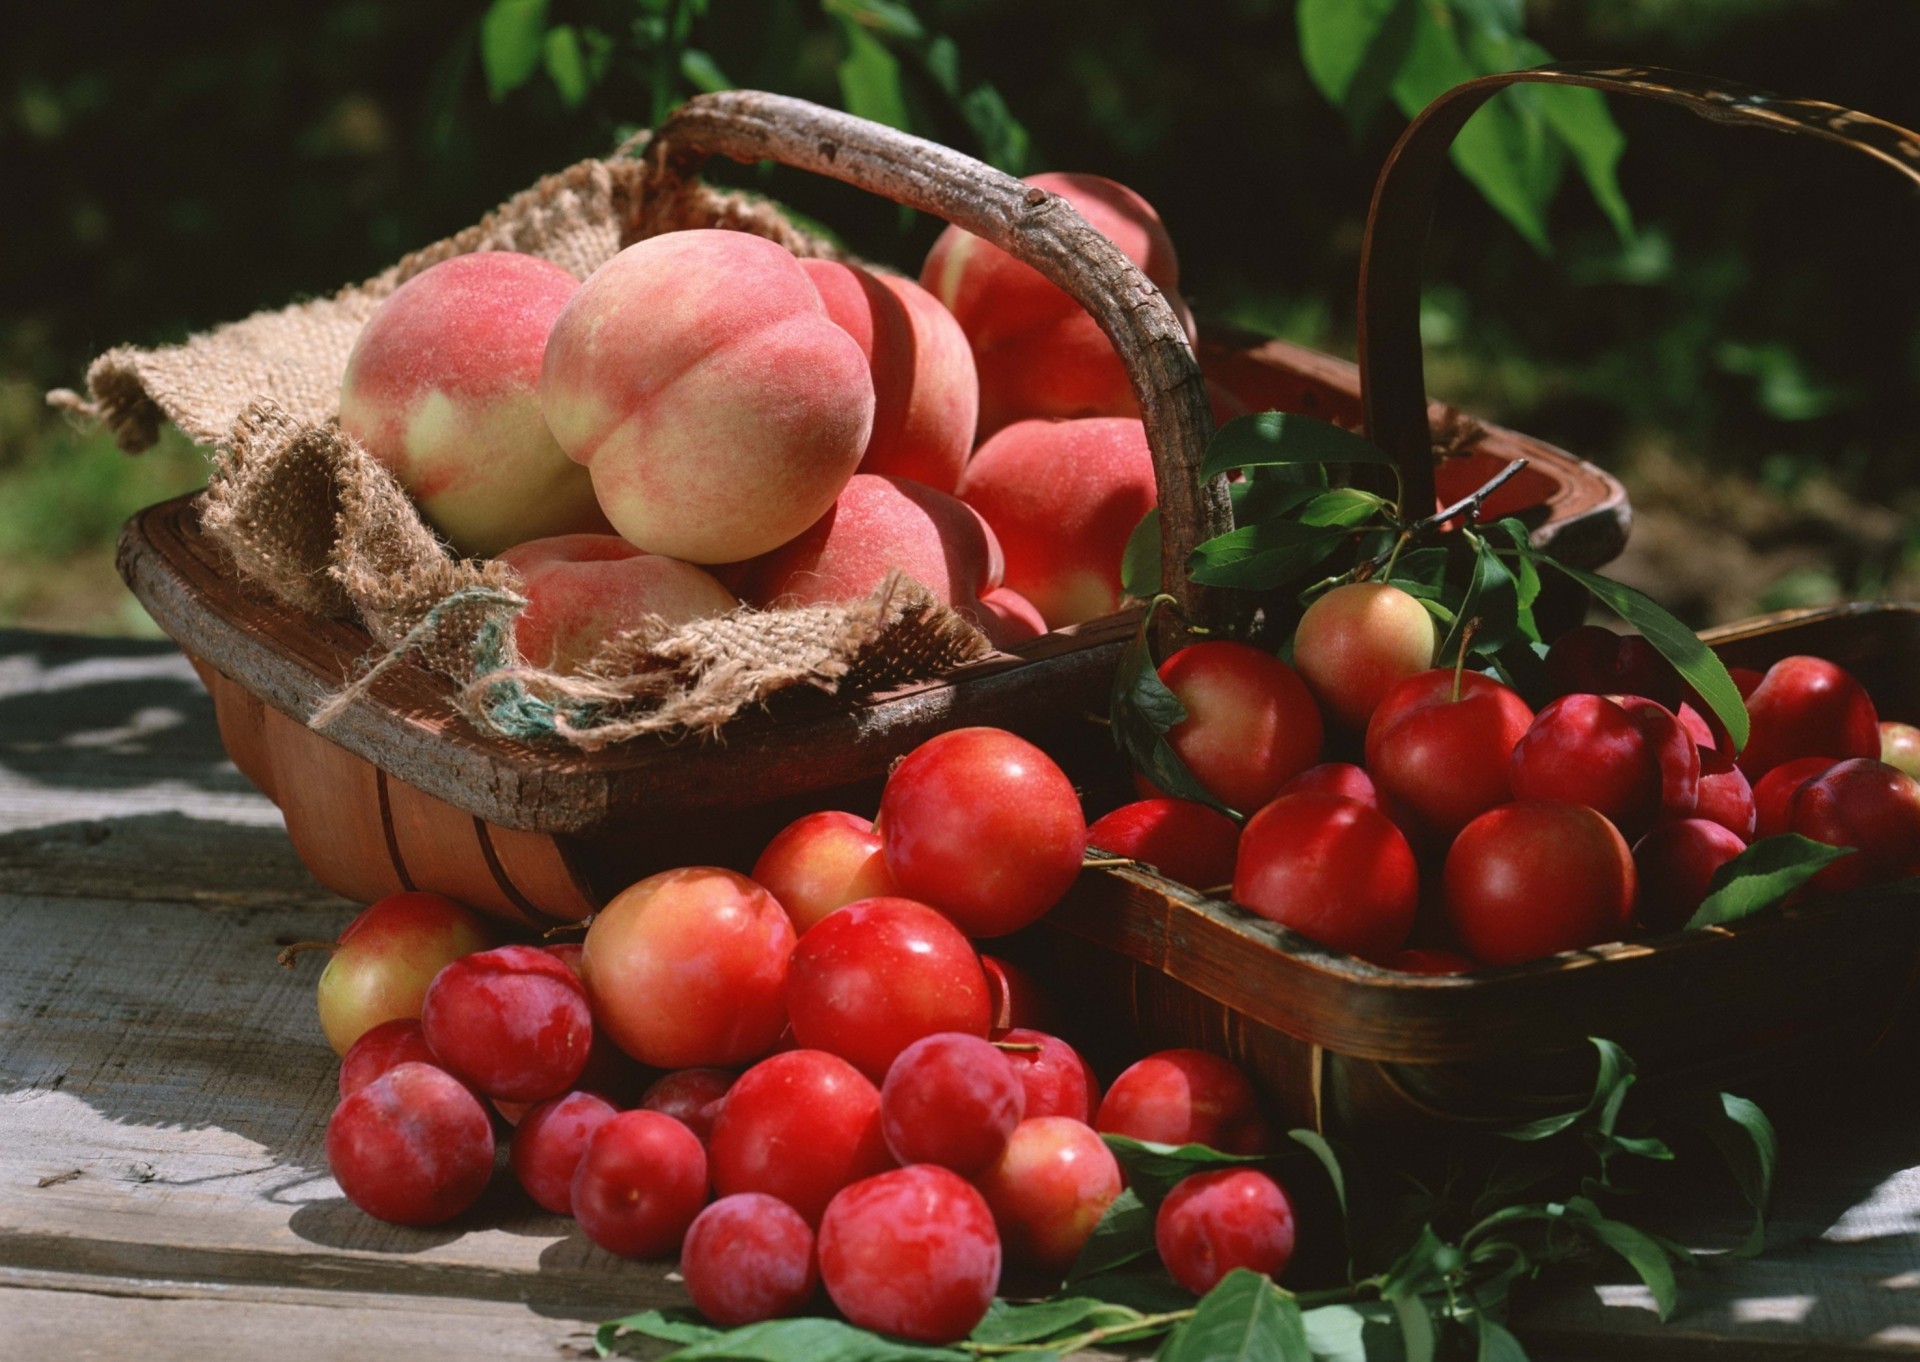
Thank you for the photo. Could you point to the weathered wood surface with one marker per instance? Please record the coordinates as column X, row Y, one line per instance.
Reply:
column 164, row 1089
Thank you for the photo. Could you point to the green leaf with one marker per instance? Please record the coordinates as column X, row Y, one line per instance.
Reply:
column 1673, row 641
column 1153, row 1169
column 1746, row 1139
column 567, row 65
column 1149, row 1290
column 1246, row 1318
column 1272, row 553
column 1003, row 140
column 1578, row 117
column 1496, row 1344
column 1316, row 1143
column 1612, row 1078
column 1496, row 17
column 1354, row 50
column 1492, row 598
column 1124, row 1234
column 1049, row 1319
column 870, row 78
column 1142, row 709
column 1646, row 1255
column 941, row 60
column 1278, row 437
column 702, row 72
column 1140, row 563
column 1761, row 876
column 1365, row 1332
column 1505, row 156
column 882, row 16
column 1421, row 573
column 1416, row 1327
column 510, row 44
column 1526, row 574
column 674, row 1326
column 811, row 1340
column 1422, row 1268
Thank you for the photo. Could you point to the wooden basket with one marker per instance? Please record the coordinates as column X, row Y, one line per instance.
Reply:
column 402, row 792
column 1336, row 1042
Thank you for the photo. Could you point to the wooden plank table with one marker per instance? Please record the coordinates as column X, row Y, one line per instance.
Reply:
column 164, row 1089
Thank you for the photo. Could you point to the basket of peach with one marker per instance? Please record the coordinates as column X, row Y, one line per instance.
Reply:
column 1412, row 843
column 625, row 525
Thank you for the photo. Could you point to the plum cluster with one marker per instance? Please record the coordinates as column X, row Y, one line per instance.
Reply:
column 1475, row 831
column 805, row 1079
column 708, row 419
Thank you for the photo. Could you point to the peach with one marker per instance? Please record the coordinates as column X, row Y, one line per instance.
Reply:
column 441, row 387
column 926, row 396
column 876, row 525
column 1038, row 352
column 1062, row 497
column 717, row 406
column 582, row 589
column 1006, row 617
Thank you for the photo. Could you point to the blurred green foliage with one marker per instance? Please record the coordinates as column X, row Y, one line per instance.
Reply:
column 172, row 167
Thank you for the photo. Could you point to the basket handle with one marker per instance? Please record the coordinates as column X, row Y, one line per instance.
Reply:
column 1392, row 380
column 1030, row 224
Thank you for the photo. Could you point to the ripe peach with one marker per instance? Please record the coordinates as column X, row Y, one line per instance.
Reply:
column 441, row 388
column 1006, row 617
column 1038, row 352
column 582, row 589
column 878, row 524
column 719, row 409
column 925, row 393
column 1062, row 497
column 1356, row 642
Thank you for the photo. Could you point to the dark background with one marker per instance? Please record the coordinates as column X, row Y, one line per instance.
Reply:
column 1750, row 363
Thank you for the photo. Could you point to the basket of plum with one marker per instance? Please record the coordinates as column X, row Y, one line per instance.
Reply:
column 1005, row 428
column 1405, row 873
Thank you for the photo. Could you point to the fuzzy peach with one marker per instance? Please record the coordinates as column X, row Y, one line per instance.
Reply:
column 582, row 589
column 925, row 392
column 717, row 406
column 876, row 525
column 441, row 388
column 1062, row 497
column 1006, row 617
column 1038, row 352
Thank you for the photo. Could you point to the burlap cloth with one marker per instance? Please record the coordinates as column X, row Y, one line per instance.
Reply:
column 308, row 515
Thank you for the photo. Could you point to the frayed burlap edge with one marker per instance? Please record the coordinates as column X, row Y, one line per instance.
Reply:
column 307, row 514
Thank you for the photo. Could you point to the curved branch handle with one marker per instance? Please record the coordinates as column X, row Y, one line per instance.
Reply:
column 1036, row 227
column 1392, row 380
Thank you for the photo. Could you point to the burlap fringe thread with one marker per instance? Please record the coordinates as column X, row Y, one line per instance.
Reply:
column 311, row 517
